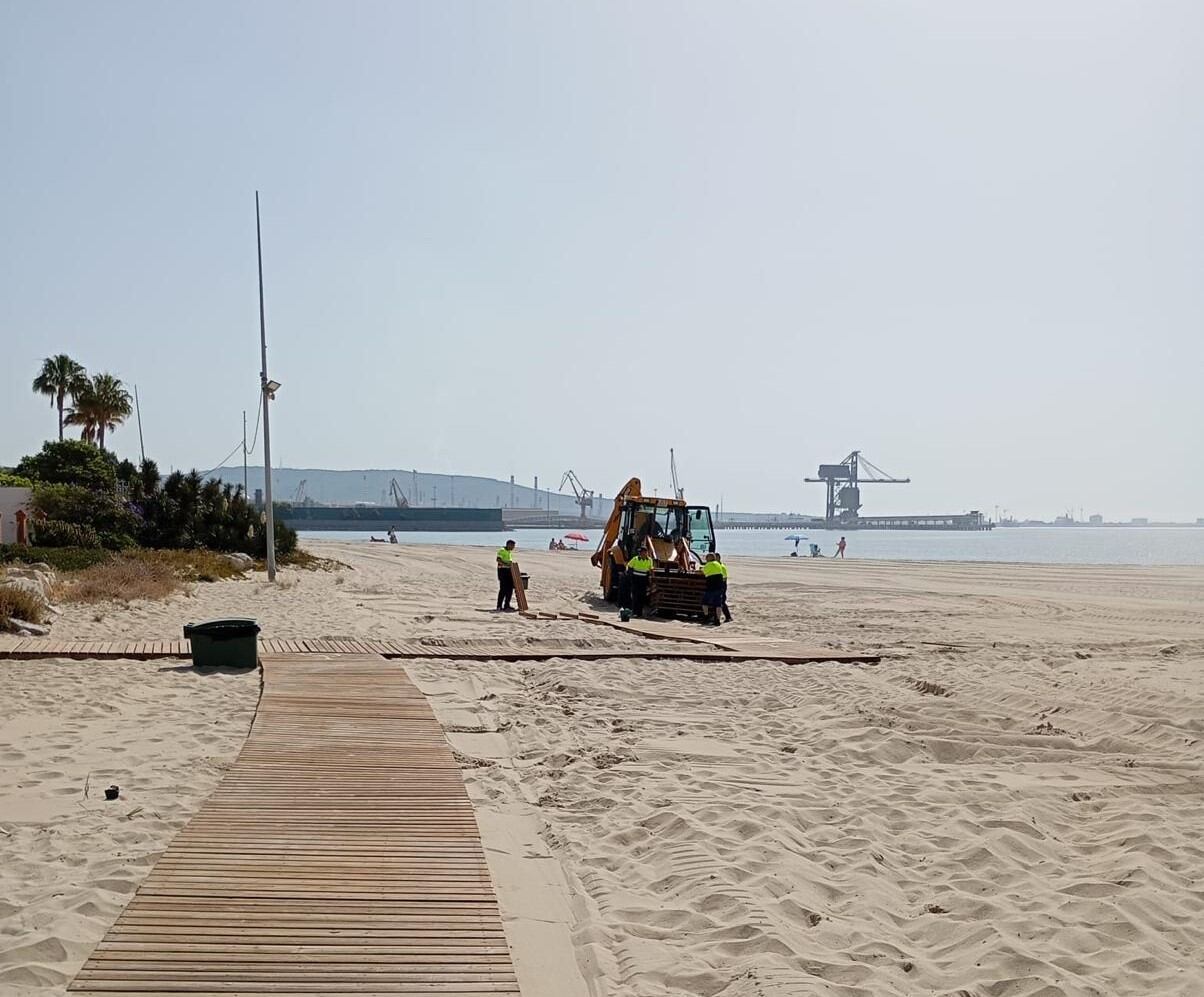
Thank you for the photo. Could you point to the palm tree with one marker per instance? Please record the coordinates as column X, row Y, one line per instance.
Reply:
column 59, row 377
column 101, row 405
column 83, row 412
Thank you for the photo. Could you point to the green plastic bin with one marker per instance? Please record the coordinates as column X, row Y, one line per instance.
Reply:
column 224, row 643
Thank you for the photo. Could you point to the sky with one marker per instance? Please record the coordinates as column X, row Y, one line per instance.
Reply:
column 516, row 238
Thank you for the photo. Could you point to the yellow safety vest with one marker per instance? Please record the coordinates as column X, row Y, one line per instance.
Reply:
column 640, row 565
column 722, row 569
column 505, row 556
column 712, row 568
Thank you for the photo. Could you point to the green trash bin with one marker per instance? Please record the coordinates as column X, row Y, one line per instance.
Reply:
column 224, row 643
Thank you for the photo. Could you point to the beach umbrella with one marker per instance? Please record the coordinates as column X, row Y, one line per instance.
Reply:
column 580, row 537
column 795, row 538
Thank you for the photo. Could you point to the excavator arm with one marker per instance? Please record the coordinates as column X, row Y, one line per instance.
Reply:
column 631, row 490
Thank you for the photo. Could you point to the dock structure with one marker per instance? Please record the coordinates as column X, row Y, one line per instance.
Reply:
column 971, row 521
column 340, row 855
column 780, row 523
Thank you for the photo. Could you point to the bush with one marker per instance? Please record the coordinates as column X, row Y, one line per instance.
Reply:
column 146, row 574
column 59, row 558
column 9, row 480
column 114, row 524
column 190, row 565
column 286, row 540
column 71, row 462
column 17, row 604
column 303, row 559
column 57, row 533
column 121, row 579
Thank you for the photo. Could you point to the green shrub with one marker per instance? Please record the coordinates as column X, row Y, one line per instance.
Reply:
column 59, row 558
column 71, row 462
column 9, row 480
column 102, row 512
column 57, row 533
column 286, row 540
column 116, row 541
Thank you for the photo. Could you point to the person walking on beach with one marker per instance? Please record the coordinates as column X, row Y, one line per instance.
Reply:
column 727, row 613
column 712, row 596
column 505, row 577
column 840, row 549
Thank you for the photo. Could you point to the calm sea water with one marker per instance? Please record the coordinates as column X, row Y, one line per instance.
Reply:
column 1049, row 545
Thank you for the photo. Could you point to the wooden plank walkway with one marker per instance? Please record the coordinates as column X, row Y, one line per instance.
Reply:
column 463, row 650
column 339, row 855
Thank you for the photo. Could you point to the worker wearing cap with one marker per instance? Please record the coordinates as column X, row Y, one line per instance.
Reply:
column 505, row 577
column 727, row 613
column 712, row 596
column 639, row 570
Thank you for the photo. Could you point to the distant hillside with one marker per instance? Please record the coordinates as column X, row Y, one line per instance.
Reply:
column 421, row 489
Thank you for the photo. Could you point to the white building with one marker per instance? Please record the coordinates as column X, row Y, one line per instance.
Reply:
column 12, row 501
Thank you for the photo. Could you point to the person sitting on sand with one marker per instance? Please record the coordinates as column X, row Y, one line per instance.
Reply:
column 392, row 535
column 552, row 544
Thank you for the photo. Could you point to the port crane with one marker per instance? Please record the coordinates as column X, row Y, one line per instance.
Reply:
column 399, row 497
column 583, row 496
column 678, row 491
column 844, row 481
column 299, row 496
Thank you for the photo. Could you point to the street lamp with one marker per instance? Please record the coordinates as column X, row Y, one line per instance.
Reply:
column 267, row 391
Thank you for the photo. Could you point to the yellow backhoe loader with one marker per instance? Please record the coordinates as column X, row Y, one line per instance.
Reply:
column 675, row 535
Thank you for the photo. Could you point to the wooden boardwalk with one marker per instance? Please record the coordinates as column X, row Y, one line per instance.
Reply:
column 484, row 649
column 338, row 856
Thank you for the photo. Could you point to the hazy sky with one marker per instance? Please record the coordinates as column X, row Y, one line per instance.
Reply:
column 966, row 238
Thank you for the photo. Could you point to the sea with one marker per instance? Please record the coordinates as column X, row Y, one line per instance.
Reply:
column 1013, row 545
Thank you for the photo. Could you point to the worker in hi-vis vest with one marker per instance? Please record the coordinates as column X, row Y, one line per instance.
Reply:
column 713, row 595
column 639, row 569
column 727, row 613
column 505, row 577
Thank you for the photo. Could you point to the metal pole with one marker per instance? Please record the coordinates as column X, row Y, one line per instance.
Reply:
column 270, row 522
column 244, row 452
column 138, row 409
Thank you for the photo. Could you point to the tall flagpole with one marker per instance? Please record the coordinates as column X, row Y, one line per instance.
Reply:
column 138, row 409
column 270, row 522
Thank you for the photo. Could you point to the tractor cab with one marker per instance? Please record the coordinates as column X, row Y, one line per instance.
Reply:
column 669, row 528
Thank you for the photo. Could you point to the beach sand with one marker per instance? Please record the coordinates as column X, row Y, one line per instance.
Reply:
column 1010, row 804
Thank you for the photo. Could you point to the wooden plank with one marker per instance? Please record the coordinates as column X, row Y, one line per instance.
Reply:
column 519, row 592
column 338, row 856
column 698, row 649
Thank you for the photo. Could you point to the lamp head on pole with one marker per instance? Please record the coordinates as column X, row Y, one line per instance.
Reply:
column 270, row 388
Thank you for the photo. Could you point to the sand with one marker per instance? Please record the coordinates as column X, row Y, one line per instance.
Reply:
column 69, row 859
column 1011, row 804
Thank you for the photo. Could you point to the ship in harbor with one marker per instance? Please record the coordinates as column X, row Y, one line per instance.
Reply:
column 369, row 518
